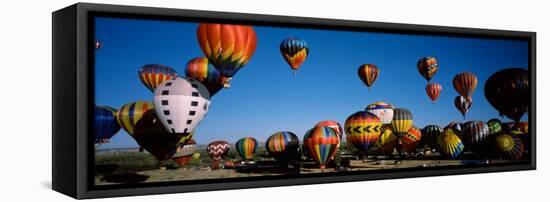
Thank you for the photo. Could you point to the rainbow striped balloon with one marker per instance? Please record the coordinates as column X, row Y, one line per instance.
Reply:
column 368, row 74
column 322, row 143
column 204, row 72
column 283, row 146
column 152, row 75
column 246, row 147
column 131, row 113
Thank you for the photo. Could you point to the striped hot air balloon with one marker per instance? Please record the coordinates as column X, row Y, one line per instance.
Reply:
column 455, row 126
column 430, row 134
column 284, row 146
column 129, row 114
column 363, row 129
column 152, row 75
column 368, row 74
column 495, row 126
column 322, row 144
column 295, row 52
column 463, row 104
column 402, row 121
column 411, row 139
column 184, row 152
column 217, row 150
column 427, row 67
column 228, row 47
column 450, row 144
column 105, row 124
column 475, row 133
column 465, row 84
column 509, row 146
column 334, row 125
column 382, row 110
column 433, row 90
column 246, row 147
column 387, row 142
column 204, row 72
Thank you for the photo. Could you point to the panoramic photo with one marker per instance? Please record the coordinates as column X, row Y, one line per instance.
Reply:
column 184, row 101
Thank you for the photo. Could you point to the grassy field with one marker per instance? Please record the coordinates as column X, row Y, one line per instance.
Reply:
column 132, row 166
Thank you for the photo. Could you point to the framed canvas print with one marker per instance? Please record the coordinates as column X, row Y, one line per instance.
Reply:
column 155, row 100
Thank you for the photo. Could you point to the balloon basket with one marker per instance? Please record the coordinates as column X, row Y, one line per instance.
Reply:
column 294, row 73
column 227, row 83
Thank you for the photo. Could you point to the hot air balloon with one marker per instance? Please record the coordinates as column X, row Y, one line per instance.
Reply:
column 463, row 104
column 382, row 110
column 228, row 47
column 509, row 146
column 217, row 150
column 387, row 142
column 475, row 133
column 363, row 129
column 181, row 104
column 455, row 126
column 495, row 126
column 430, row 134
column 509, row 93
column 246, row 147
column 97, row 45
column 151, row 136
column 322, row 144
column 368, row 74
column 465, row 84
column 152, row 75
column 184, row 152
column 305, row 148
column 427, row 67
column 284, row 146
column 523, row 127
column 295, row 52
column 410, row 140
column 105, row 124
column 334, row 125
column 129, row 114
column 402, row 121
column 433, row 90
column 204, row 72
column 450, row 144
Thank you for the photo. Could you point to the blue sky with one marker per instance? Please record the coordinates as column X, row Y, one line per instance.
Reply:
column 265, row 97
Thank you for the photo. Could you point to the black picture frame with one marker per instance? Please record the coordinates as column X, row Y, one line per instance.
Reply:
column 72, row 70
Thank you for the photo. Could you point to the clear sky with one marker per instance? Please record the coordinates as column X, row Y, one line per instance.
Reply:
column 265, row 97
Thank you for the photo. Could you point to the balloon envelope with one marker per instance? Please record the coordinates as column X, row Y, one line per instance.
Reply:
column 465, row 84
column 427, row 67
column 382, row 110
column 363, row 129
column 294, row 51
column 204, row 72
column 246, row 147
column 430, row 134
column 508, row 92
column 284, row 146
column 322, row 144
column 368, row 74
column 181, row 104
column 151, row 135
column 152, row 75
column 433, row 90
column 129, row 114
column 217, row 150
column 105, row 124
column 450, row 144
column 402, row 121
column 228, row 47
